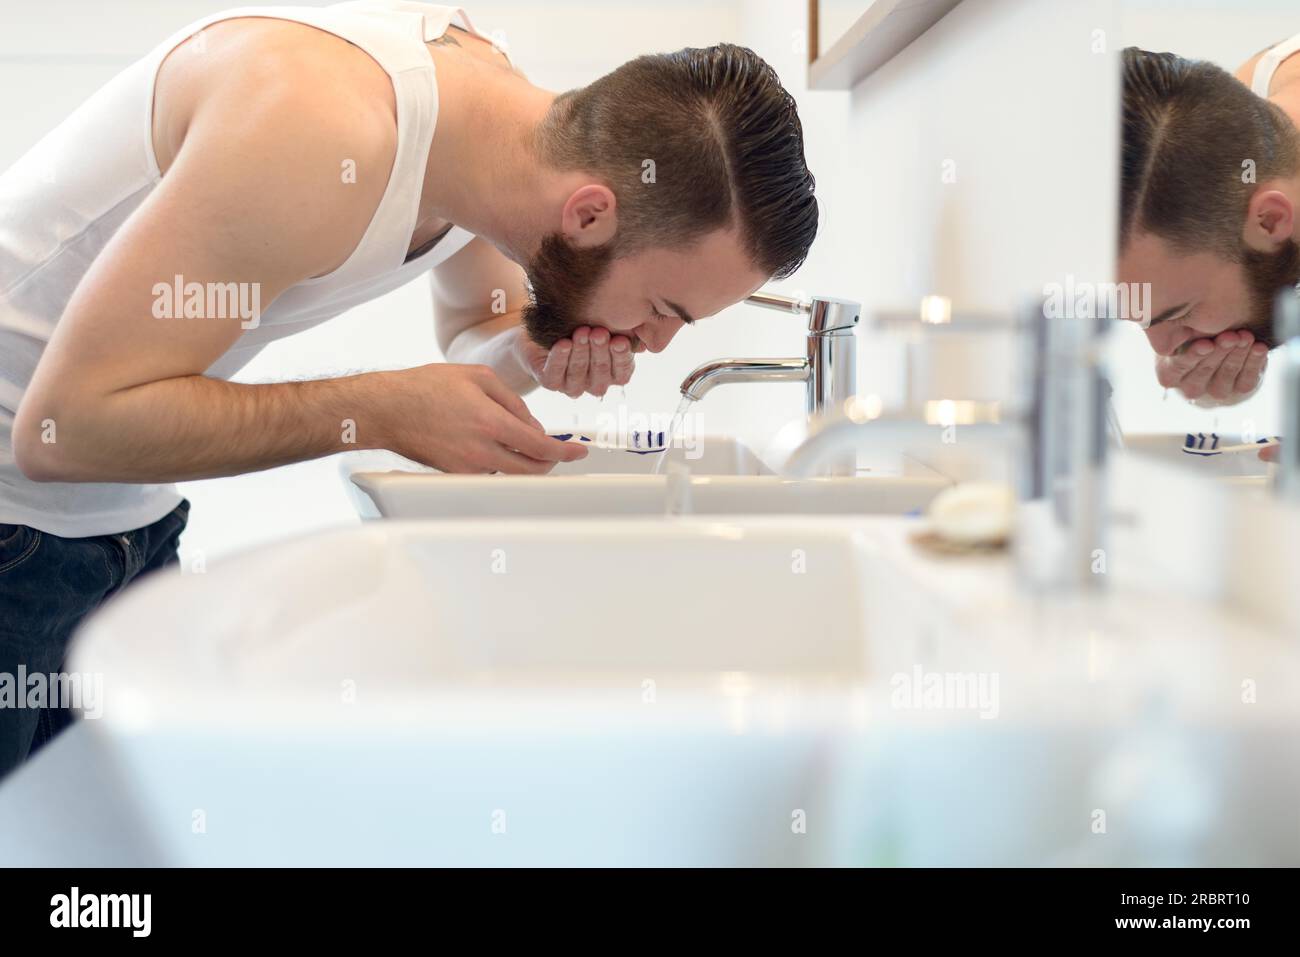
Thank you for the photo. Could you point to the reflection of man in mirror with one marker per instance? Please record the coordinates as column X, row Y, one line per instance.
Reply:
column 1210, row 186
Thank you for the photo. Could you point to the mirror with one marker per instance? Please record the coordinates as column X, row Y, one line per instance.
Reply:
column 1209, row 187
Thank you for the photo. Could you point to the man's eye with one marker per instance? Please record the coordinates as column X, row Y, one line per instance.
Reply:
column 1148, row 324
column 659, row 315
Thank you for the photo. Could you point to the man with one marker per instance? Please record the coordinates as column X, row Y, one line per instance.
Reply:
column 256, row 175
column 1210, row 181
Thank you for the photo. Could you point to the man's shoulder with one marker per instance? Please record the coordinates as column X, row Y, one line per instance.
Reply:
column 253, row 71
column 292, row 135
column 1246, row 72
column 1288, row 71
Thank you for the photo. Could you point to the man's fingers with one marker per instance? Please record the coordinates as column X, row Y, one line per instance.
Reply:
column 598, row 378
column 575, row 378
column 591, row 360
column 499, row 392
column 535, row 443
column 1170, row 370
column 1249, row 376
column 1224, row 380
column 557, row 363
column 1232, row 337
column 1270, row 453
column 511, row 462
column 1166, row 373
column 1194, row 383
column 621, row 362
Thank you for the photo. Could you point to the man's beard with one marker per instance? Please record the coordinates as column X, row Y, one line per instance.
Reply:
column 1267, row 274
column 562, row 278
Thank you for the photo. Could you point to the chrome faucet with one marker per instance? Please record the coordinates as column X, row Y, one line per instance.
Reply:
column 1053, row 432
column 829, row 370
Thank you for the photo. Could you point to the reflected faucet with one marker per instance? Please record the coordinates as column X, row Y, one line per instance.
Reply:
column 1053, row 432
column 829, row 370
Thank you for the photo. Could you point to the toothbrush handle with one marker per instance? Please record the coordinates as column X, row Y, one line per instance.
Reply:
column 1247, row 446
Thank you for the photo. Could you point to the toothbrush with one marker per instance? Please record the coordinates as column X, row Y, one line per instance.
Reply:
column 642, row 443
column 1200, row 444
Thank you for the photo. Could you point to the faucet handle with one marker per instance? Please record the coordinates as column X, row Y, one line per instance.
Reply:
column 825, row 313
column 779, row 301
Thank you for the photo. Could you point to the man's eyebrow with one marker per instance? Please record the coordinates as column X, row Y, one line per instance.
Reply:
column 682, row 314
column 1167, row 314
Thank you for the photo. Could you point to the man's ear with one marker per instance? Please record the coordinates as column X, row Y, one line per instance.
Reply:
column 589, row 217
column 1270, row 220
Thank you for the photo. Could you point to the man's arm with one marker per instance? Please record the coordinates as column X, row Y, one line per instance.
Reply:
column 477, row 297
column 253, row 196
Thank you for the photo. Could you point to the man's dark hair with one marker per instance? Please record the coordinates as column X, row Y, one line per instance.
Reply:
column 1189, row 128
column 690, row 142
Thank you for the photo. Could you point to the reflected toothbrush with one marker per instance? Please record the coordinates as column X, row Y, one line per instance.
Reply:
column 1205, row 445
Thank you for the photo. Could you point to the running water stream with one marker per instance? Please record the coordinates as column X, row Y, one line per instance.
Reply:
column 673, row 428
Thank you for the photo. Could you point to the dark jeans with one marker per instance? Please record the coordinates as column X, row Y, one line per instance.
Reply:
column 48, row 584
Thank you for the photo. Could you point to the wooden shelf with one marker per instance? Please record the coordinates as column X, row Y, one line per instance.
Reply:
column 875, row 38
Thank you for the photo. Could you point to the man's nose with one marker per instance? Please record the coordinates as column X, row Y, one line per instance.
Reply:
column 1166, row 338
column 656, row 339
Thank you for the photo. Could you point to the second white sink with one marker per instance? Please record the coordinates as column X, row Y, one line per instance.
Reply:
column 453, row 601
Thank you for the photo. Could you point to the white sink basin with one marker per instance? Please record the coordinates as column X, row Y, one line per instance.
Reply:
column 708, row 455
column 719, row 476
column 503, row 599
column 674, row 692
column 412, row 495
column 602, row 694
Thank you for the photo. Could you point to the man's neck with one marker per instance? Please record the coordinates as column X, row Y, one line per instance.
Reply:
column 483, row 173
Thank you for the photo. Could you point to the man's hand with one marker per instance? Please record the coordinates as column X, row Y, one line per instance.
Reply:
column 591, row 360
column 1227, row 368
column 463, row 418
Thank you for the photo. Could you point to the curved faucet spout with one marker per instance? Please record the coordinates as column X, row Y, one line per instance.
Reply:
column 828, row 370
column 722, row 371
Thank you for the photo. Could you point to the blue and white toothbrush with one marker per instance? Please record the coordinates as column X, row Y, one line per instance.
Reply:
column 642, row 443
column 1201, row 444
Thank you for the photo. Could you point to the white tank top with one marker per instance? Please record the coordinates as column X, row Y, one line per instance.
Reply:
column 58, row 210
column 1267, row 65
